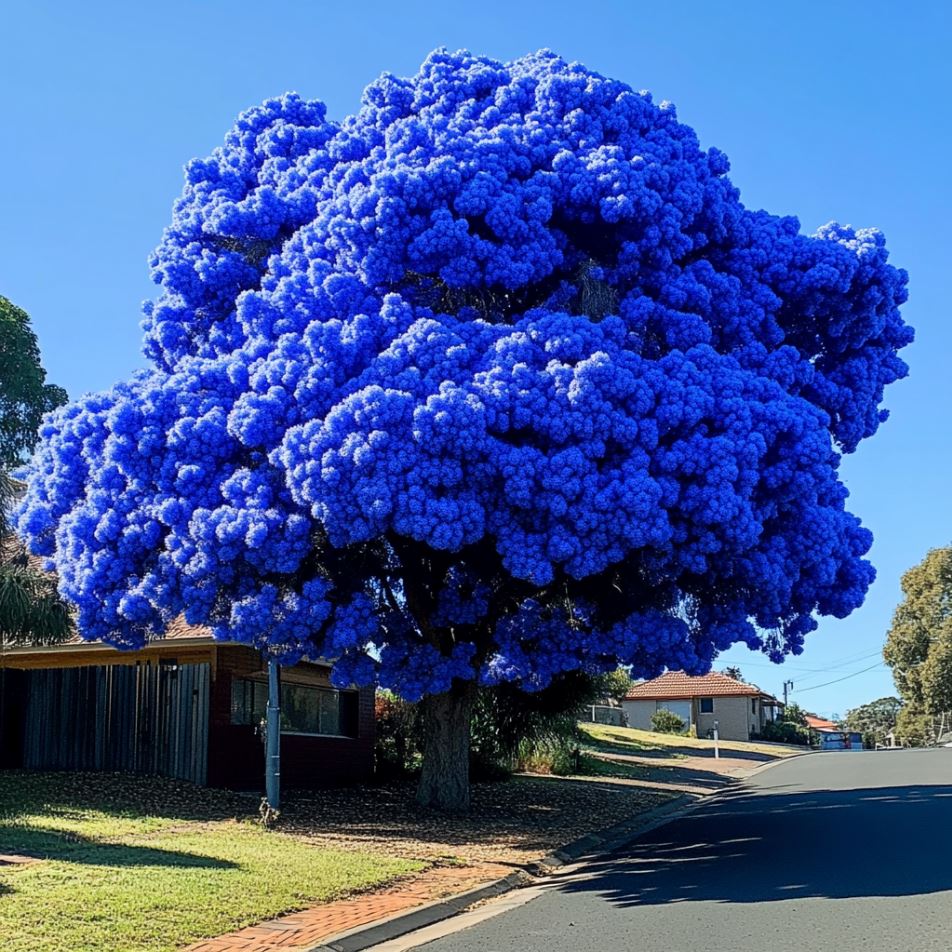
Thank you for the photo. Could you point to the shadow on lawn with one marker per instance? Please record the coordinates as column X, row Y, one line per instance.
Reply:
column 673, row 773
column 26, row 792
column 42, row 843
column 620, row 744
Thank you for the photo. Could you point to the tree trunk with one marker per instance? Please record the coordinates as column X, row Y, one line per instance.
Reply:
column 444, row 778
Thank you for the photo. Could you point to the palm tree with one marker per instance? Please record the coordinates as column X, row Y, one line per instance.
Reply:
column 31, row 609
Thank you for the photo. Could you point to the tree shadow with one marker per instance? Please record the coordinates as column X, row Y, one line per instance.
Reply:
column 530, row 814
column 620, row 744
column 120, row 794
column 43, row 843
column 673, row 773
column 755, row 847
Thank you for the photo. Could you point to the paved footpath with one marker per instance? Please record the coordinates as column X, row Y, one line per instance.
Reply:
column 836, row 852
column 305, row 929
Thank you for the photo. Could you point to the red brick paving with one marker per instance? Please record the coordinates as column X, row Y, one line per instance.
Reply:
column 300, row 930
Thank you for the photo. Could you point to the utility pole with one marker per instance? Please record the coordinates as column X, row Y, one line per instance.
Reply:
column 787, row 688
column 273, row 737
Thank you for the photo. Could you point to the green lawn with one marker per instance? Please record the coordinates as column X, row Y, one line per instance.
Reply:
column 152, row 865
column 628, row 740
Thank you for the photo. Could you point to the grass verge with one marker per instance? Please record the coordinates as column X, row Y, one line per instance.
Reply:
column 628, row 740
column 120, row 871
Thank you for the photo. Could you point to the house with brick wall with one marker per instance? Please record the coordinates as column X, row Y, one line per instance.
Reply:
column 740, row 709
column 184, row 706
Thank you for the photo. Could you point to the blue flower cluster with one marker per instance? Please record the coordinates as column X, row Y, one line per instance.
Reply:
column 512, row 309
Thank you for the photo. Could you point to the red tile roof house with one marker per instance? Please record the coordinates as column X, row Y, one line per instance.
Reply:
column 740, row 709
column 827, row 736
column 185, row 706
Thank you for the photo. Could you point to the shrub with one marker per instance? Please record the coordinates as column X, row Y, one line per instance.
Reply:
column 559, row 757
column 785, row 732
column 399, row 736
column 511, row 729
column 667, row 722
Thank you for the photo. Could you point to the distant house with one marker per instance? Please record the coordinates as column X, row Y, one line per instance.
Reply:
column 184, row 706
column 830, row 737
column 740, row 709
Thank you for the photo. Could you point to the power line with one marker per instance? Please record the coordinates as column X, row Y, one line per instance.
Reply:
column 797, row 669
column 813, row 687
column 844, row 664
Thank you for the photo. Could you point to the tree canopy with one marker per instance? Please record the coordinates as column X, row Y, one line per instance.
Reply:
column 919, row 643
column 495, row 379
column 24, row 393
column 874, row 720
column 31, row 610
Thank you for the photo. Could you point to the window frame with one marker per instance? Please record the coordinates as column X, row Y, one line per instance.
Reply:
column 252, row 685
column 701, row 701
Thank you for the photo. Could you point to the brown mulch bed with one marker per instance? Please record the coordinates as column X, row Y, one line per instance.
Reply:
column 512, row 822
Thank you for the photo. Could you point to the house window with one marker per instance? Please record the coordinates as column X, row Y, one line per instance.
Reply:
column 706, row 705
column 753, row 705
column 305, row 709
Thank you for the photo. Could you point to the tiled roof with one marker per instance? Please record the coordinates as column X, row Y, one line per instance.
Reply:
column 676, row 685
column 820, row 723
column 11, row 549
column 178, row 630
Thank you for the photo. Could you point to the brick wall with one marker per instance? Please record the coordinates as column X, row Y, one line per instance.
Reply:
column 236, row 753
column 733, row 718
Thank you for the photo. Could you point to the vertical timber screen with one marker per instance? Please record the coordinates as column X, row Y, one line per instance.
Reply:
column 140, row 718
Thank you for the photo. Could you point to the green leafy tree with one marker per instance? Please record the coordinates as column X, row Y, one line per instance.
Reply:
column 615, row 684
column 915, row 729
column 24, row 393
column 732, row 671
column 874, row 720
column 794, row 714
column 31, row 610
column 919, row 643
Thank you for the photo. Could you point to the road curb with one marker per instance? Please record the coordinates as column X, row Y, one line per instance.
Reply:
column 383, row 930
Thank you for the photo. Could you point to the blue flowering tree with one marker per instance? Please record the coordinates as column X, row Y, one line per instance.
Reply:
column 495, row 379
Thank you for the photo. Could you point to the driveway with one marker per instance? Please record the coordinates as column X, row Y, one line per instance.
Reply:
column 833, row 852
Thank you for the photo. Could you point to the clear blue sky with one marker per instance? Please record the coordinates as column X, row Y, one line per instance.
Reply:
column 827, row 110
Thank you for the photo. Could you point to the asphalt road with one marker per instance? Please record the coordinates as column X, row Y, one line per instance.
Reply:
column 831, row 852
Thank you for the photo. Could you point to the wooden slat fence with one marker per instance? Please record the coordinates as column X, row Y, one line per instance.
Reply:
column 140, row 718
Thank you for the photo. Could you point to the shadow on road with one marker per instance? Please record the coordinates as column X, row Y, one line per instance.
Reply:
column 760, row 846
